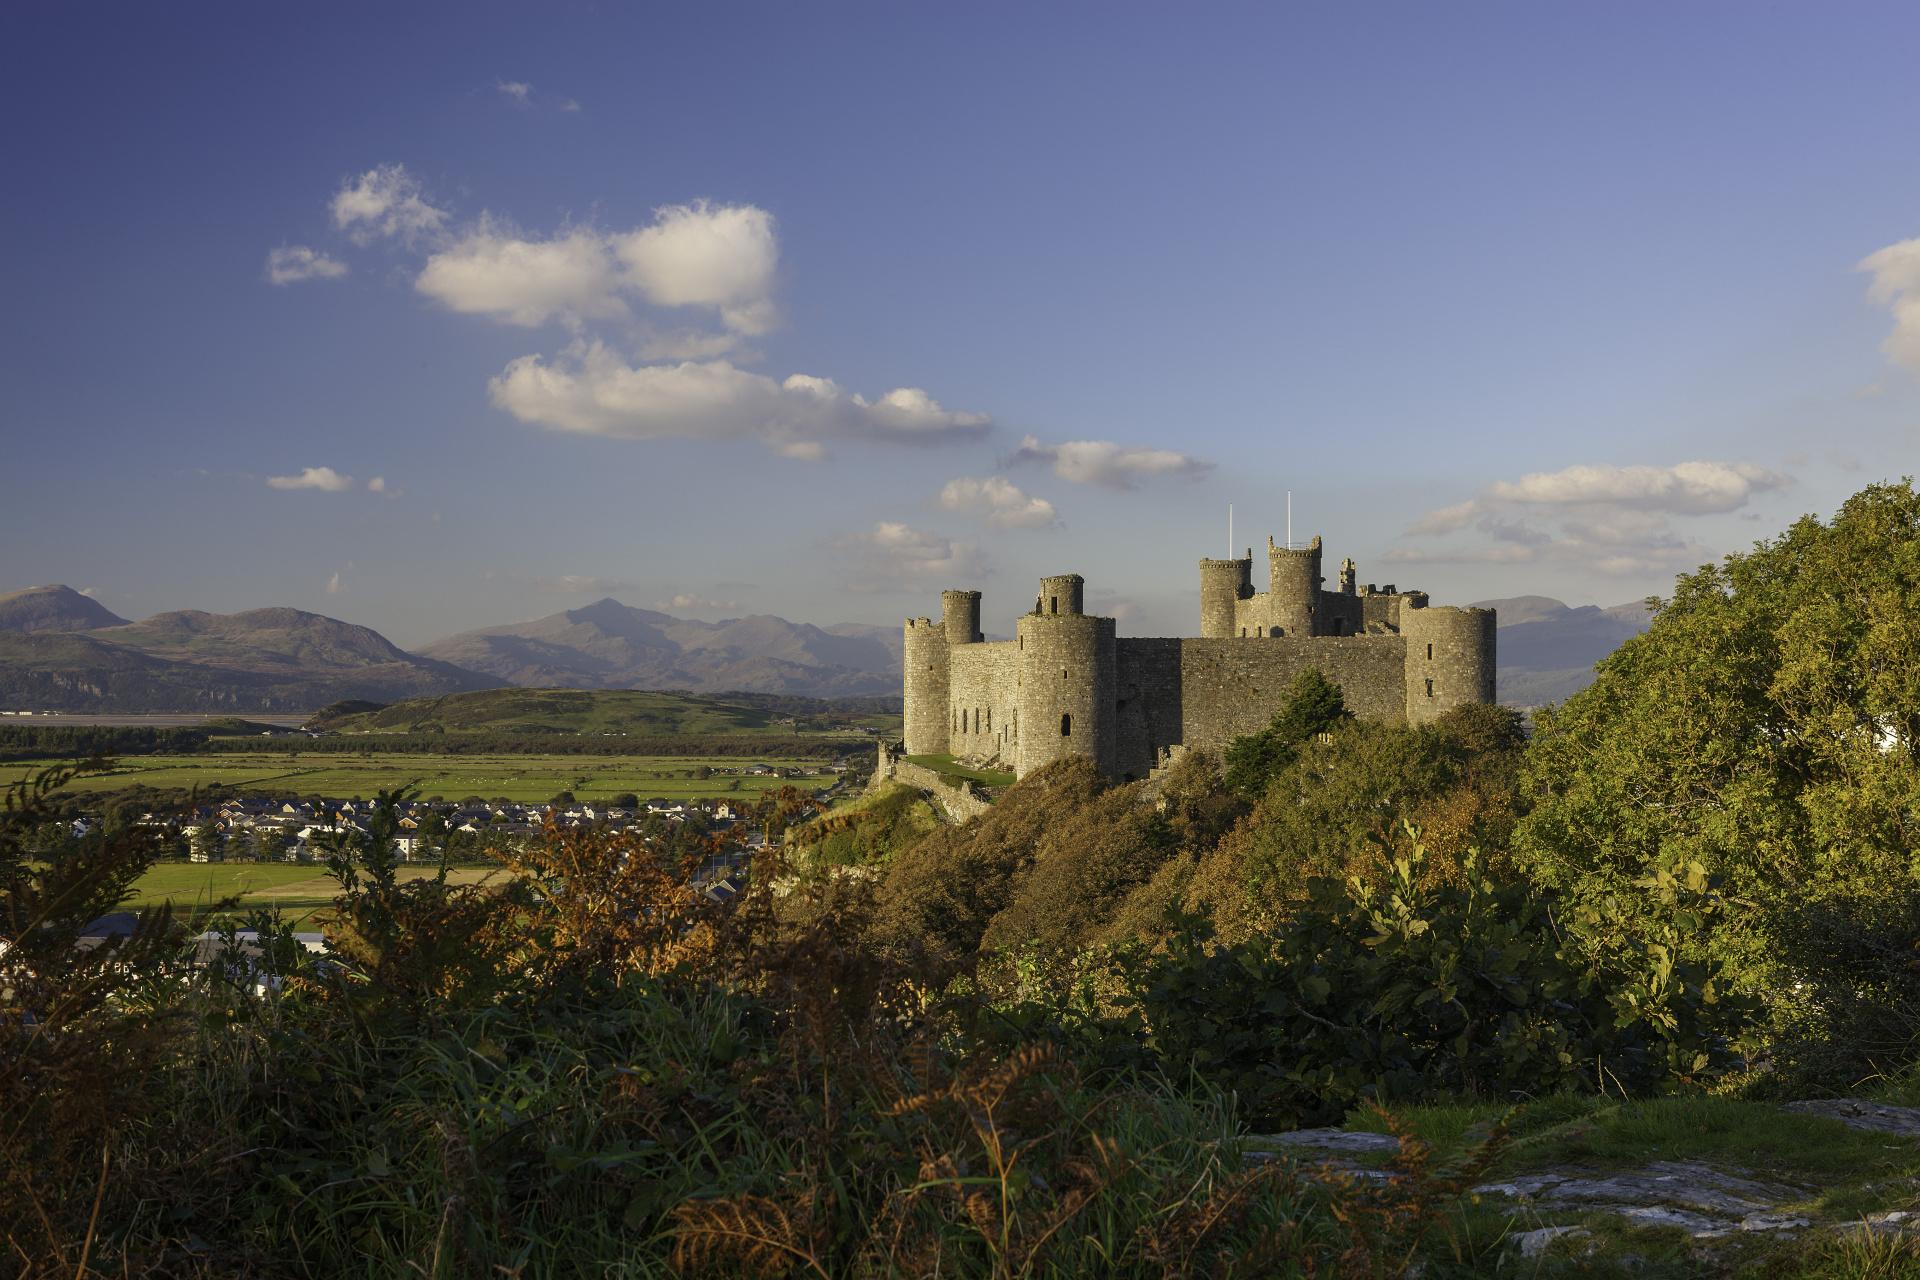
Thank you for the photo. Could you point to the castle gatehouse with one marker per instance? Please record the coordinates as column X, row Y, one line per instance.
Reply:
column 1067, row 685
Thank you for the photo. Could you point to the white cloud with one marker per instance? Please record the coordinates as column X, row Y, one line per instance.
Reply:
column 290, row 264
column 378, row 484
column 525, row 282
column 1108, row 465
column 1896, row 283
column 1448, row 519
column 385, row 201
column 895, row 557
column 1686, row 488
column 595, row 392
column 336, row 584
column 722, row 257
column 325, row 479
column 1612, row 519
column 999, row 502
column 526, row 97
column 699, row 254
column 568, row 584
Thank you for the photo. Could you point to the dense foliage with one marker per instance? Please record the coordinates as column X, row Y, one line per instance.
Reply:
column 1766, row 728
column 1025, row 1045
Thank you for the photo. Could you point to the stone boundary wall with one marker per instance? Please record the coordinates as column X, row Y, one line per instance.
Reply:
column 960, row 803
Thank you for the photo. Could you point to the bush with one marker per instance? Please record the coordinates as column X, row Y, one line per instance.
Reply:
column 1313, row 705
column 1425, row 987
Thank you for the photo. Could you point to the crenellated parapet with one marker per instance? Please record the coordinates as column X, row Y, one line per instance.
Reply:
column 1068, row 685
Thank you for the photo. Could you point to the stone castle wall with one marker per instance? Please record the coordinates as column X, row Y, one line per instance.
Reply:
column 960, row 800
column 982, row 692
column 1203, row 693
column 1066, row 685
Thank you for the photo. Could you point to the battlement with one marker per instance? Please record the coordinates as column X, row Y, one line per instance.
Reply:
column 1067, row 684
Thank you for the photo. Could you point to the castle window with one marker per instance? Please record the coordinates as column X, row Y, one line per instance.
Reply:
column 976, row 716
column 1053, row 604
column 1066, row 726
column 1429, row 653
column 1429, row 688
column 989, row 719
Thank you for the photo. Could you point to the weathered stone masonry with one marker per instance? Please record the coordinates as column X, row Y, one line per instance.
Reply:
column 1067, row 685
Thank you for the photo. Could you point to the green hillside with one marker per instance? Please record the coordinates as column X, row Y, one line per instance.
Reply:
column 629, row 712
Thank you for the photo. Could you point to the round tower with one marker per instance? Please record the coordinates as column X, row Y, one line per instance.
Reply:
column 1450, row 657
column 960, row 611
column 1062, row 594
column 1295, row 584
column 1223, row 584
column 925, row 687
column 1066, row 690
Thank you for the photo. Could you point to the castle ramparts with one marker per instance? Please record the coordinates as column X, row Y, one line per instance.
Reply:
column 1066, row 684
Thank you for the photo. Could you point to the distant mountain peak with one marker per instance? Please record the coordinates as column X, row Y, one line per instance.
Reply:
column 55, row 607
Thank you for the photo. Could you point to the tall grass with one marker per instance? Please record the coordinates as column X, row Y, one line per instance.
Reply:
column 587, row 1066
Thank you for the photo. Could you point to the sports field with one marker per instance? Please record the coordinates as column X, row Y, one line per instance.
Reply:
column 347, row 775
column 297, row 889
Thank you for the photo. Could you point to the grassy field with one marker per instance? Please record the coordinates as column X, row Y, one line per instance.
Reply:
column 593, row 712
column 298, row 890
column 344, row 775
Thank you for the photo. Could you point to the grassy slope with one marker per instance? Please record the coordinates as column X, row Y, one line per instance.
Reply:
column 946, row 764
column 866, row 829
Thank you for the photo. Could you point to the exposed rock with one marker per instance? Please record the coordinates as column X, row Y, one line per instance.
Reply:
column 1696, row 1198
column 1894, row 1222
column 1876, row 1117
column 1341, row 1140
column 1534, row 1244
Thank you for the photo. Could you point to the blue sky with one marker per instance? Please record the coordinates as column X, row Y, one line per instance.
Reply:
column 813, row 310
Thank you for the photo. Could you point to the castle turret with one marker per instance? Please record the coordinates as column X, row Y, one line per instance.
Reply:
column 1062, row 594
column 1223, row 584
column 960, row 612
column 926, row 686
column 1295, row 578
column 1066, row 682
column 1450, row 655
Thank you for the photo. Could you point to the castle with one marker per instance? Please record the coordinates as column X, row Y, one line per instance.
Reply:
column 1067, row 685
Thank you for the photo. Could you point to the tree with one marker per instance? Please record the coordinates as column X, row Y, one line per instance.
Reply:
column 1766, row 728
column 1313, row 705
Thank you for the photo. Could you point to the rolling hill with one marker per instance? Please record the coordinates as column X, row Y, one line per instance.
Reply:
column 53, row 608
column 1545, row 649
column 609, row 645
column 262, row 660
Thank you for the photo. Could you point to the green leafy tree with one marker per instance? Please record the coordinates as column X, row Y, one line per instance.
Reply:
column 1313, row 705
column 1767, row 729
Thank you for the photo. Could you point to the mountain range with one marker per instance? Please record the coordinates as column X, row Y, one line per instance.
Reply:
column 62, row 651
column 1545, row 649
column 609, row 645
